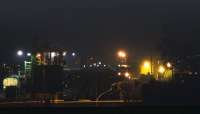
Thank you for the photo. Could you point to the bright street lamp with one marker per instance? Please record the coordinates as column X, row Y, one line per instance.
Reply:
column 20, row 53
column 127, row 74
column 169, row 65
column 119, row 73
column 73, row 54
column 28, row 54
column 146, row 68
column 122, row 54
column 147, row 64
column 53, row 54
column 64, row 53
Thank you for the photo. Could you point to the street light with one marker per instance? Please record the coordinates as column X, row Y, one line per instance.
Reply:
column 147, row 64
column 146, row 67
column 53, row 54
column 119, row 73
column 127, row 74
column 28, row 54
column 169, row 65
column 64, row 53
column 170, row 68
column 122, row 55
column 20, row 52
column 73, row 54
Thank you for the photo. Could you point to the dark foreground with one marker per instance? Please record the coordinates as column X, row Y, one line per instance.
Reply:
column 68, row 104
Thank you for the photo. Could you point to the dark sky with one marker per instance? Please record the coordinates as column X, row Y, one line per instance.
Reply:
column 97, row 27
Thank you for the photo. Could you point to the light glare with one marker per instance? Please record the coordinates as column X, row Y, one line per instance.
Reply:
column 29, row 54
column 20, row 53
column 161, row 69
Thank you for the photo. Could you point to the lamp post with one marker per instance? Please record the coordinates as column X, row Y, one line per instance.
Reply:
column 122, row 56
column 20, row 53
column 169, row 66
column 26, row 57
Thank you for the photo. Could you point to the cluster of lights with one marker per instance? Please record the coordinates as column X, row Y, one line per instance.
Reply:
column 126, row 74
column 7, row 82
column 162, row 69
column 147, row 68
column 28, row 54
column 99, row 64
column 21, row 53
column 53, row 54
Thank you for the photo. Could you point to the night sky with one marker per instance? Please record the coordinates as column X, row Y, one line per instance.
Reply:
column 98, row 27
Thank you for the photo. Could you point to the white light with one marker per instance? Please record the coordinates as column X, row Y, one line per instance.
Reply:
column 64, row 53
column 125, row 66
column 104, row 65
column 169, row 65
column 20, row 53
column 90, row 65
column 84, row 66
column 29, row 54
column 127, row 74
column 73, row 54
column 99, row 63
column 119, row 73
column 53, row 54
column 95, row 64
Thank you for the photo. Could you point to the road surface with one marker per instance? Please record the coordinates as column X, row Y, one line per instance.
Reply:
column 61, row 103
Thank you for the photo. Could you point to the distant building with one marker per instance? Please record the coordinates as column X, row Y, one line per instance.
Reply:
column 68, row 59
column 72, row 61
